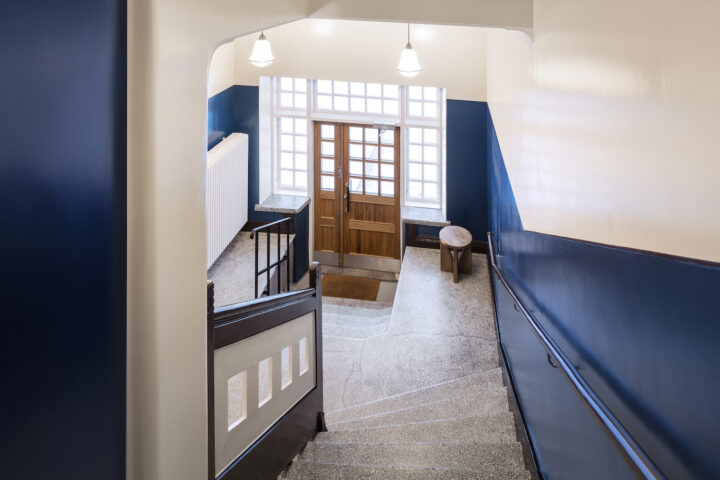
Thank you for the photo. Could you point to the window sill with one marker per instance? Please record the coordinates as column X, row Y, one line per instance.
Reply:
column 291, row 204
column 432, row 217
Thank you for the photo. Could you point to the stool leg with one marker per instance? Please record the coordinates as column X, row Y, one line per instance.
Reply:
column 445, row 258
column 455, row 265
column 466, row 261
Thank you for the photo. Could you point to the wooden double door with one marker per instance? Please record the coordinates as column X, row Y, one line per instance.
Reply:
column 357, row 195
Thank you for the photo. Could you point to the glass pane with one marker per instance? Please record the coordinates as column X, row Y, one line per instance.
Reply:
column 430, row 154
column 430, row 136
column 357, row 104
column 415, row 93
column 374, row 90
column 324, row 86
column 286, row 160
column 430, row 93
column 327, row 131
column 357, row 88
column 415, row 109
column 301, row 179
column 387, row 170
column 391, row 91
column 415, row 190
column 374, row 105
column 387, row 189
column 356, row 168
column 300, row 126
column 371, row 187
column 356, row 185
column 286, row 99
column 300, row 143
column 388, row 137
column 430, row 109
column 286, row 142
column 387, row 154
column 340, row 88
column 327, row 165
column 300, row 85
column 415, row 153
column 371, row 170
column 371, row 152
column 286, row 177
column 328, row 149
column 430, row 190
column 415, row 135
column 415, row 171
column 356, row 151
column 324, row 102
column 286, row 83
column 390, row 107
column 300, row 161
column 341, row 104
column 264, row 381
column 286, row 125
column 356, row 134
column 430, row 173
column 285, row 367
column 371, row 135
column 327, row 182
column 300, row 100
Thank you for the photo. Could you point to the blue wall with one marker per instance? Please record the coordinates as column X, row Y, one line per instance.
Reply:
column 62, row 201
column 641, row 328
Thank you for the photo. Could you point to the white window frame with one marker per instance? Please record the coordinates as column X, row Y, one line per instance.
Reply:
column 271, row 92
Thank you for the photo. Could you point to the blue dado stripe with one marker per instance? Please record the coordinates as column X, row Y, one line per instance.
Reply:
column 642, row 329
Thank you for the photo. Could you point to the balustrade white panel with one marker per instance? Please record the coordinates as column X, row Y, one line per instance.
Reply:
column 257, row 381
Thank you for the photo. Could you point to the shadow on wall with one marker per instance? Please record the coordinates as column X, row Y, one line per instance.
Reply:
column 641, row 328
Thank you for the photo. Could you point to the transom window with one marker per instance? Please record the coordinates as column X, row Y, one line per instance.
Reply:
column 295, row 103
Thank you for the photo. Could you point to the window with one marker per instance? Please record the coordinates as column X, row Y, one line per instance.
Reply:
column 294, row 103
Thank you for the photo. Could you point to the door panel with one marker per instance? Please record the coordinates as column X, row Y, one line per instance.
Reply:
column 327, row 192
column 371, row 207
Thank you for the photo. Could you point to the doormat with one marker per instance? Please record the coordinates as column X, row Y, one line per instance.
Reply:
column 344, row 286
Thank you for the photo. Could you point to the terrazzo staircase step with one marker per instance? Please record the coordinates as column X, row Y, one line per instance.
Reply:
column 359, row 333
column 497, row 428
column 329, row 471
column 352, row 320
column 478, row 404
column 471, row 384
column 493, row 457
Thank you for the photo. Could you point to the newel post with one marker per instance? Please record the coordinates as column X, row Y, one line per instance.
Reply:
column 211, row 378
column 316, row 283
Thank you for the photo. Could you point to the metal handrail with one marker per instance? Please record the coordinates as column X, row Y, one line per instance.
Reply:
column 627, row 445
column 269, row 266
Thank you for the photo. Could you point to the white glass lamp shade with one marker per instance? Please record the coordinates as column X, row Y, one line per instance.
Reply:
column 261, row 55
column 409, row 65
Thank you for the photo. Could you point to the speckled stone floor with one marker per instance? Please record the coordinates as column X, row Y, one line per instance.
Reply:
column 414, row 391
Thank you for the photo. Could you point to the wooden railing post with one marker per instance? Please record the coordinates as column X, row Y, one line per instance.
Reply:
column 211, row 378
column 316, row 283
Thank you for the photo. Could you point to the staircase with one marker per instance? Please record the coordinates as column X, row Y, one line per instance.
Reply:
column 459, row 427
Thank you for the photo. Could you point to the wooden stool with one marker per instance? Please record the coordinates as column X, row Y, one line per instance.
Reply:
column 455, row 252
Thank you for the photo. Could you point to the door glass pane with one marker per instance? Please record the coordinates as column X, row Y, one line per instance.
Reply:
column 387, row 154
column 371, row 152
column 356, row 151
column 371, row 169
column 356, row 168
column 328, row 149
column 327, row 132
column 328, row 165
column 388, row 137
column 356, row 134
column 387, row 170
column 327, row 182
column 387, row 189
column 371, row 187
column 371, row 135
column 356, row 185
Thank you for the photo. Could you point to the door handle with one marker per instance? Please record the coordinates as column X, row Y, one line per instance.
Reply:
column 347, row 197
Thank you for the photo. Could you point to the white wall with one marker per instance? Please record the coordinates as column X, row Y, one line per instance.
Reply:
column 221, row 74
column 451, row 56
column 609, row 122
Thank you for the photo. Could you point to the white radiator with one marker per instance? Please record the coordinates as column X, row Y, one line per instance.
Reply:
column 227, row 200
